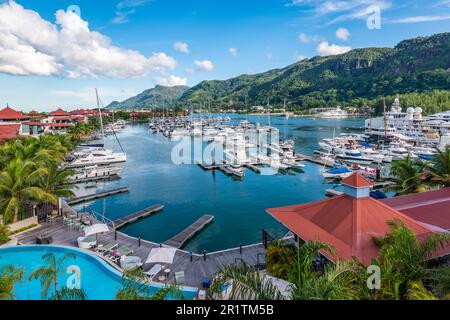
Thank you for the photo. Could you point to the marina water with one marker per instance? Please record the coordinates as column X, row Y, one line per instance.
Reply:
column 188, row 192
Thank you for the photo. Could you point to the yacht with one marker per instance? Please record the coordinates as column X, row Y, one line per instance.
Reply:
column 338, row 172
column 96, row 157
column 336, row 113
column 354, row 156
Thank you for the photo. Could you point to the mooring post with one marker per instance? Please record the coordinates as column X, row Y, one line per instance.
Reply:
column 204, row 255
column 115, row 235
column 190, row 256
column 139, row 242
column 240, row 248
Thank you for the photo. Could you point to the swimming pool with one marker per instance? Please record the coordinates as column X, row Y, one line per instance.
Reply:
column 99, row 280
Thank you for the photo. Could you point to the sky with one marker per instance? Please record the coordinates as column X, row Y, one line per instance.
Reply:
column 54, row 53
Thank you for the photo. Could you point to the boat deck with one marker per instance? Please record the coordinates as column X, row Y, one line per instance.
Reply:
column 196, row 267
column 181, row 238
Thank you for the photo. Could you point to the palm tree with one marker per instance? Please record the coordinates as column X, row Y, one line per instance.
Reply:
column 403, row 259
column 56, row 182
column 9, row 277
column 440, row 168
column 248, row 284
column 19, row 183
column 408, row 177
column 136, row 287
column 49, row 274
column 279, row 259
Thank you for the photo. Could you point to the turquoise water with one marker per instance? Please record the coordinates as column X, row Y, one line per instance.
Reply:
column 98, row 280
column 189, row 192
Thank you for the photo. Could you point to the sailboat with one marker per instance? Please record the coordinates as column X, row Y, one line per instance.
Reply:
column 95, row 156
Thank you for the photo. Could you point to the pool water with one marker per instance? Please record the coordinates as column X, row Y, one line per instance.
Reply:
column 99, row 280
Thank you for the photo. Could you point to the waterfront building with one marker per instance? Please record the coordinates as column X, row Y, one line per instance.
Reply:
column 349, row 222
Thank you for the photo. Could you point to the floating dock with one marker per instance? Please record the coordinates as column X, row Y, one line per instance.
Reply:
column 253, row 167
column 180, row 239
column 98, row 195
column 316, row 160
column 208, row 167
column 119, row 223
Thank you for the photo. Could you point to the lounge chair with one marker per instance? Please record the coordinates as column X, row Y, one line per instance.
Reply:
column 179, row 278
column 115, row 254
column 105, row 249
column 153, row 272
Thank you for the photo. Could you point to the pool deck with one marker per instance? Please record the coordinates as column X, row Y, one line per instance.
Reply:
column 195, row 271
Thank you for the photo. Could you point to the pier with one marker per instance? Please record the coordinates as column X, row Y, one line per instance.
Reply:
column 119, row 223
column 312, row 159
column 98, row 195
column 253, row 168
column 208, row 167
column 180, row 239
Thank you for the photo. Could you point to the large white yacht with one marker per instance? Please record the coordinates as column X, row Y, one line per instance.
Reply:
column 335, row 113
column 96, row 157
column 407, row 126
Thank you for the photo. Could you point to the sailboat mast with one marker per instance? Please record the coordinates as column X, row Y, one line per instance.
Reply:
column 385, row 119
column 101, row 119
column 268, row 110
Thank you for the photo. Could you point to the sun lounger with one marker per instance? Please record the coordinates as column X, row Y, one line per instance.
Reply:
column 153, row 272
column 179, row 278
column 115, row 254
column 106, row 249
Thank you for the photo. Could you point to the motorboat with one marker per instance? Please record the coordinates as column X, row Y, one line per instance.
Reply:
column 338, row 172
column 97, row 157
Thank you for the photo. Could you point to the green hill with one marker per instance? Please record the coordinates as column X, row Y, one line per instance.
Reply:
column 358, row 77
column 157, row 97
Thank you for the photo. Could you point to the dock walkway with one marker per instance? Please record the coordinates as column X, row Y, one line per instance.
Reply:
column 180, row 239
column 316, row 160
column 119, row 223
column 97, row 195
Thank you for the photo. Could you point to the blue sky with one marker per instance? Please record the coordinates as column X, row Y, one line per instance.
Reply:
column 50, row 59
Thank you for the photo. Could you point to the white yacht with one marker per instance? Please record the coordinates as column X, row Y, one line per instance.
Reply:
column 96, row 157
column 335, row 113
column 95, row 173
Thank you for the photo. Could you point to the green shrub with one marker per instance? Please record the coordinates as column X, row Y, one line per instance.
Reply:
column 4, row 234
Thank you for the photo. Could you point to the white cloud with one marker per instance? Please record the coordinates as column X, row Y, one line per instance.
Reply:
column 304, row 38
column 171, row 81
column 419, row 19
column 87, row 95
column 300, row 57
column 181, row 47
column 125, row 9
column 30, row 45
column 342, row 34
column 189, row 70
column 326, row 49
column 269, row 55
column 233, row 51
column 204, row 65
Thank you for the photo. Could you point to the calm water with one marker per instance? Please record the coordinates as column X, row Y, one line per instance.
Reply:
column 188, row 192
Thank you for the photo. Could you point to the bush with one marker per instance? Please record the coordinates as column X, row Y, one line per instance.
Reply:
column 279, row 259
column 4, row 234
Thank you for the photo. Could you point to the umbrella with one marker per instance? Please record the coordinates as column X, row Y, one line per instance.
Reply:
column 161, row 255
column 95, row 228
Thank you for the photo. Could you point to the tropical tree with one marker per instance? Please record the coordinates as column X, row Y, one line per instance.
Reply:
column 279, row 259
column 403, row 260
column 49, row 275
column 55, row 181
column 9, row 277
column 135, row 286
column 247, row 284
column 440, row 168
column 408, row 177
column 19, row 183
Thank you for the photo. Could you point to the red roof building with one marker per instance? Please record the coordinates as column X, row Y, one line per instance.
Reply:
column 58, row 112
column 431, row 208
column 9, row 114
column 9, row 131
column 347, row 222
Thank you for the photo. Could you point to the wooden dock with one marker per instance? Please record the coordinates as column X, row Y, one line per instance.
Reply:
column 180, row 239
column 253, row 167
column 312, row 159
column 208, row 167
column 119, row 223
column 98, row 195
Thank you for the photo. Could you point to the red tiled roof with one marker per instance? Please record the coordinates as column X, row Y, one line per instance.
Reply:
column 346, row 223
column 431, row 207
column 357, row 180
column 33, row 123
column 9, row 131
column 59, row 125
column 58, row 112
column 11, row 114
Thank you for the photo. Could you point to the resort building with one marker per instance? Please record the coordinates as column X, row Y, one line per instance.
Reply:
column 350, row 221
